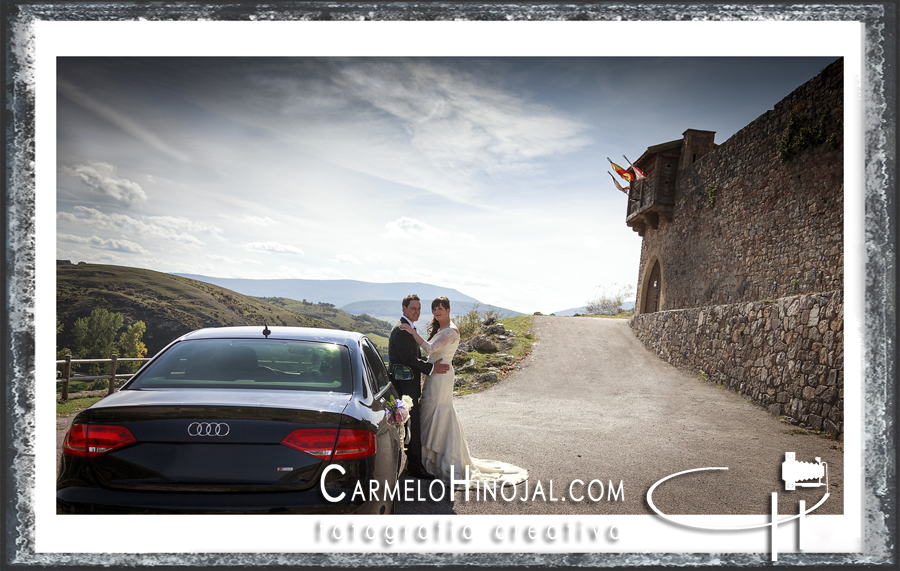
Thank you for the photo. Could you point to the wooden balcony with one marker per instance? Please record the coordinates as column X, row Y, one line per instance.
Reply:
column 653, row 198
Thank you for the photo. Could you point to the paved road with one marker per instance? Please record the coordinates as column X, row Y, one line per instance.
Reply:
column 591, row 403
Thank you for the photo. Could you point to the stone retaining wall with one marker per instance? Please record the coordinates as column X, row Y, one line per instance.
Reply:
column 787, row 355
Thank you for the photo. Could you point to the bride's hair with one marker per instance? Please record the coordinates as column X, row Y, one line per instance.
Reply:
column 434, row 326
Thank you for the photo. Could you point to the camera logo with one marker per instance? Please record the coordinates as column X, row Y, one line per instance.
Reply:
column 794, row 474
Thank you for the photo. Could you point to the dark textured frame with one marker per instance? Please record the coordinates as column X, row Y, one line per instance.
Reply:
column 880, row 333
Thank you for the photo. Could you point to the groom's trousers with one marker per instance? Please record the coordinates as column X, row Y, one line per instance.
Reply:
column 414, row 448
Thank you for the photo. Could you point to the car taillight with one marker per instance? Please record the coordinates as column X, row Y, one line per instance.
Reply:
column 89, row 441
column 354, row 444
column 331, row 443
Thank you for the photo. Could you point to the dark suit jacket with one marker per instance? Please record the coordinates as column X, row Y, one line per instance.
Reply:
column 403, row 349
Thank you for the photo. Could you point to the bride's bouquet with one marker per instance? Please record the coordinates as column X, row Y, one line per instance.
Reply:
column 398, row 411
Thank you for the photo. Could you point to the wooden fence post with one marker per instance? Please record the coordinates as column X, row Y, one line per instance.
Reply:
column 112, row 375
column 67, row 374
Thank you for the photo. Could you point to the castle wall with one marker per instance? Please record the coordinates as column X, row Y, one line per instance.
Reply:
column 786, row 355
column 751, row 237
column 747, row 227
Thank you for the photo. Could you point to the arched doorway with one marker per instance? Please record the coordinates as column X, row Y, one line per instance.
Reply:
column 652, row 289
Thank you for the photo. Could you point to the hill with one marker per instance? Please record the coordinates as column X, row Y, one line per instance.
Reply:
column 376, row 329
column 338, row 292
column 171, row 305
column 390, row 310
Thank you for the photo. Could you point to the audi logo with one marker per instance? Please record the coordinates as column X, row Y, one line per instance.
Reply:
column 208, row 429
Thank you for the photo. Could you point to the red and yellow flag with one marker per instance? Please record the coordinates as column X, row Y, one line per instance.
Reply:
column 620, row 171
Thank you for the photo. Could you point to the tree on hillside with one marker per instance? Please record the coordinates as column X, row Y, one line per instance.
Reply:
column 95, row 336
column 131, row 345
column 61, row 353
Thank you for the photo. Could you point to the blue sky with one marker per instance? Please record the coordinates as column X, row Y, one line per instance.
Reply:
column 487, row 175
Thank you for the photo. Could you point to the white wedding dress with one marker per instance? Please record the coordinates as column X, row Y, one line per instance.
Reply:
column 443, row 439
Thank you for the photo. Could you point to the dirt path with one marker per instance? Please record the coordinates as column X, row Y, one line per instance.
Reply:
column 592, row 403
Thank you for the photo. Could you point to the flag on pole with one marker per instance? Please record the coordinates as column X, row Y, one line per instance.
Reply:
column 619, row 186
column 620, row 171
column 638, row 173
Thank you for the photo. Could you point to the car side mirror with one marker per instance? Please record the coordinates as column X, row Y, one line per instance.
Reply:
column 401, row 373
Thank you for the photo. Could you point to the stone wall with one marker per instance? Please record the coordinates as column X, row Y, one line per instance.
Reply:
column 751, row 262
column 787, row 355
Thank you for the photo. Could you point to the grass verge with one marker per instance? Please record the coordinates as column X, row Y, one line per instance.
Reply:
column 499, row 364
column 75, row 405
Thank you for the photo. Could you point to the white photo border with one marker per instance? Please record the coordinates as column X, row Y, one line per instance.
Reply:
column 24, row 251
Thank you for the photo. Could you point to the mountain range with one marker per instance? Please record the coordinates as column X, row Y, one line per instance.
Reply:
column 338, row 292
column 379, row 300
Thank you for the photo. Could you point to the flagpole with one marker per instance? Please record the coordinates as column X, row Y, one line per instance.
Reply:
column 615, row 182
column 638, row 172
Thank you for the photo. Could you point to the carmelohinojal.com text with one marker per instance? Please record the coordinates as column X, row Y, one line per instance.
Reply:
column 437, row 490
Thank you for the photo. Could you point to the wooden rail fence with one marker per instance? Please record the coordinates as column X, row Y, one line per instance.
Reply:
column 66, row 376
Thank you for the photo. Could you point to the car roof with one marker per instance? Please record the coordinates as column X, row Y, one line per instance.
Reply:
column 289, row 333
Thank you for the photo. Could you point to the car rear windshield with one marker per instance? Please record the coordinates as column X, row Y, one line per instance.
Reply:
column 249, row 364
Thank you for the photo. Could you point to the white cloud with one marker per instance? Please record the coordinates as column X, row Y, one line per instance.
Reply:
column 460, row 118
column 274, row 247
column 145, row 228
column 223, row 259
column 230, row 260
column 101, row 178
column 103, row 244
column 251, row 220
column 179, row 223
column 347, row 259
column 406, row 228
column 456, row 281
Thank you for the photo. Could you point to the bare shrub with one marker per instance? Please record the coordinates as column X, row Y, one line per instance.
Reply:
column 610, row 300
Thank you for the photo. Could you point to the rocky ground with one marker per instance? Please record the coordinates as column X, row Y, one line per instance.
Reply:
column 484, row 359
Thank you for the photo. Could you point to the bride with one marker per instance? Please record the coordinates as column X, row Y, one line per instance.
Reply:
column 443, row 439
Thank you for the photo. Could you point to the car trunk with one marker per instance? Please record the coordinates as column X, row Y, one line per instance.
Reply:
column 197, row 447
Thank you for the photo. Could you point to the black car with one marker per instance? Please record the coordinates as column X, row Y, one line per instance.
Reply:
column 239, row 420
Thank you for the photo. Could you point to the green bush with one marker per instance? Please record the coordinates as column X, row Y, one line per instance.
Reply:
column 469, row 322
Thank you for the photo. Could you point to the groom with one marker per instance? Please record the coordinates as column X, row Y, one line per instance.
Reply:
column 403, row 350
